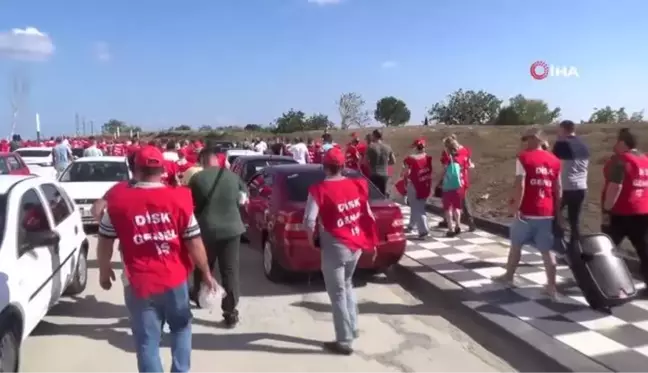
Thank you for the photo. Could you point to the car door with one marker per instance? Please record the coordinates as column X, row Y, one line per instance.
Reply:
column 16, row 166
column 35, row 268
column 68, row 229
column 257, row 206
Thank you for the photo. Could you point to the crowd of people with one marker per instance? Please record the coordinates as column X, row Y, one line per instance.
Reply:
column 181, row 211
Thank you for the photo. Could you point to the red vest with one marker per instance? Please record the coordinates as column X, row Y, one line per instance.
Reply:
column 465, row 170
column 314, row 154
column 118, row 150
column 633, row 199
column 344, row 212
column 222, row 160
column 352, row 157
column 182, row 168
column 542, row 168
column 420, row 175
column 170, row 173
column 149, row 224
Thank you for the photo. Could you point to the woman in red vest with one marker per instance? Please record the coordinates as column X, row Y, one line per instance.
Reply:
column 338, row 213
column 417, row 173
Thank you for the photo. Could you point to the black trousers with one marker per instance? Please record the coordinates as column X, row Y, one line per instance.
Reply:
column 380, row 182
column 635, row 228
column 225, row 255
column 573, row 200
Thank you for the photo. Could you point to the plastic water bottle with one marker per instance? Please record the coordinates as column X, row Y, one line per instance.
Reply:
column 210, row 299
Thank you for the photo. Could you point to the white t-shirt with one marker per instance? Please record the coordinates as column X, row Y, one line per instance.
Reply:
column 261, row 147
column 170, row 156
column 299, row 152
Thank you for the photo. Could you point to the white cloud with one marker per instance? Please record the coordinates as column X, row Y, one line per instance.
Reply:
column 389, row 64
column 325, row 2
column 102, row 51
column 25, row 44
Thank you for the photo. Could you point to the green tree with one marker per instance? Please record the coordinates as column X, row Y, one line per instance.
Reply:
column 205, row 128
column 621, row 115
column 466, row 107
column 182, row 127
column 637, row 116
column 391, row 111
column 351, row 107
column 292, row 121
column 605, row 115
column 530, row 111
column 317, row 122
column 113, row 126
column 253, row 127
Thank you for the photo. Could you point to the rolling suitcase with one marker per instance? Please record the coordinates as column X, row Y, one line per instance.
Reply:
column 600, row 273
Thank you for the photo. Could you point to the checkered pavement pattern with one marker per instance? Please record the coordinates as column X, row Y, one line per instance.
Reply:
column 618, row 340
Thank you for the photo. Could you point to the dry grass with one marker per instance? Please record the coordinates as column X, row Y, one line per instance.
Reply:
column 494, row 150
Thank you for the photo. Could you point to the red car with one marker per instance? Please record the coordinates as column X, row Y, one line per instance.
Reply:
column 275, row 214
column 12, row 164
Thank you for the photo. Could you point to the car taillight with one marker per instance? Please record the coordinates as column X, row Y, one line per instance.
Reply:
column 397, row 223
column 293, row 220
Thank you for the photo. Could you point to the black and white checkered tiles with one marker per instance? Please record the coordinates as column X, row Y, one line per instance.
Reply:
column 618, row 341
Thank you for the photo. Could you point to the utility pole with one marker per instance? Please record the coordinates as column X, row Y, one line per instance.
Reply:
column 76, row 123
column 92, row 128
column 83, row 123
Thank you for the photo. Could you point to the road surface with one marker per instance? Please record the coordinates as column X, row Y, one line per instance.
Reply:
column 281, row 330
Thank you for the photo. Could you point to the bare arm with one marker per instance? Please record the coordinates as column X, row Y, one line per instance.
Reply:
column 310, row 218
column 518, row 188
column 615, row 183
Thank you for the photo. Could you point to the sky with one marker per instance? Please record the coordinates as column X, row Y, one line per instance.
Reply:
column 159, row 63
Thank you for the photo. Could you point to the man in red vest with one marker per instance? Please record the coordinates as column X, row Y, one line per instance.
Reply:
column 535, row 203
column 625, row 197
column 338, row 213
column 160, row 242
column 352, row 153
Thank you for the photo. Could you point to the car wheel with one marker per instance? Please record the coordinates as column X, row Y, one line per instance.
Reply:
column 9, row 347
column 80, row 279
column 271, row 268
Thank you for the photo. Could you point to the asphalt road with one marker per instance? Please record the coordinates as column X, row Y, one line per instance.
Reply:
column 281, row 329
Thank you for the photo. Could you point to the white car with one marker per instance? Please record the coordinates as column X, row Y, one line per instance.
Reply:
column 43, row 257
column 232, row 154
column 39, row 160
column 88, row 179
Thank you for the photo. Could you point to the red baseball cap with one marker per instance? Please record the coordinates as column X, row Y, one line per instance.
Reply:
column 419, row 142
column 149, row 156
column 334, row 156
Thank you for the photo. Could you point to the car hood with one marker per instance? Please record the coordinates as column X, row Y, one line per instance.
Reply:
column 87, row 190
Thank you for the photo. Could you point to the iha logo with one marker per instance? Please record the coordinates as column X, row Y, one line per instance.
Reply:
column 541, row 70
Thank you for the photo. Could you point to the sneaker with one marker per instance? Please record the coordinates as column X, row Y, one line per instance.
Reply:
column 451, row 233
column 442, row 224
column 230, row 321
column 457, row 230
column 338, row 348
column 423, row 235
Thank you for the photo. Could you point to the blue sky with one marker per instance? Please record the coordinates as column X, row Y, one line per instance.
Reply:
column 157, row 63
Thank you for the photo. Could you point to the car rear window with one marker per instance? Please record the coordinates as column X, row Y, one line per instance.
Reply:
column 34, row 153
column 252, row 167
column 297, row 184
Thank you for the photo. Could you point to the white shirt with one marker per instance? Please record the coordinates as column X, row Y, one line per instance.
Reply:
column 261, row 147
column 170, row 156
column 299, row 152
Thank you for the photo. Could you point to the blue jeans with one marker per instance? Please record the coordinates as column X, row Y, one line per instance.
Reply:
column 538, row 233
column 338, row 265
column 418, row 215
column 147, row 316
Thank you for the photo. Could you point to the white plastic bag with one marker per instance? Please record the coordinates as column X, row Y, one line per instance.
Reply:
column 210, row 299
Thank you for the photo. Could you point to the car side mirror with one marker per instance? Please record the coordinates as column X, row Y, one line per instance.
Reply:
column 46, row 238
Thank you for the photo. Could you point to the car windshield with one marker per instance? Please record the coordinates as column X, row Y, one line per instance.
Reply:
column 95, row 172
column 34, row 153
column 3, row 215
column 299, row 182
column 252, row 167
column 232, row 158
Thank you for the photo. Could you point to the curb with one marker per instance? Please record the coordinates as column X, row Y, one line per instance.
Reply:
column 502, row 230
column 516, row 330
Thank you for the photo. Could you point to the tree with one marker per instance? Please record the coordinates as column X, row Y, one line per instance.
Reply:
column 292, row 121
column 253, row 127
column 466, row 107
column 531, row 111
column 352, row 111
column 391, row 111
column 317, row 122
column 182, row 127
column 637, row 116
column 508, row 117
column 113, row 126
column 205, row 128
column 621, row 115
column 606, row 115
